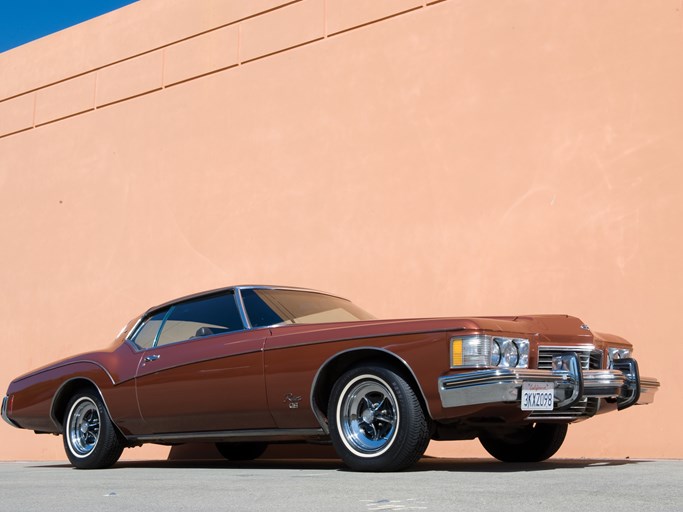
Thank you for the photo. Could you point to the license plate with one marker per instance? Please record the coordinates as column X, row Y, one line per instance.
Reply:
column 537, row 396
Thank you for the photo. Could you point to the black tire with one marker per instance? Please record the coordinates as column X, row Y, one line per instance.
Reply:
column 241, row 451
column 91, row 440
column 532, row 443
column 376, row 420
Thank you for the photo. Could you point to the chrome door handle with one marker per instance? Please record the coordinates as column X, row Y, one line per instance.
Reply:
column 151, row 358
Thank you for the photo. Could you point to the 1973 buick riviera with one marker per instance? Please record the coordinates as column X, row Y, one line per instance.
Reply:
column 246, row 366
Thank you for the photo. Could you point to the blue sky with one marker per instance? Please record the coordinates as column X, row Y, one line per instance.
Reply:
column 22, row 21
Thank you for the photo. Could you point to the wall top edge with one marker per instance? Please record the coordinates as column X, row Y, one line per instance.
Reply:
column 126, row 32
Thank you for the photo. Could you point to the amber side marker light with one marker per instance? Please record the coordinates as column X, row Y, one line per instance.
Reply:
column 456, row 352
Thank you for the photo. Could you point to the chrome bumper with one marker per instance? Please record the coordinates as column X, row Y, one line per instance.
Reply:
column 571, row 384
column 5, row 401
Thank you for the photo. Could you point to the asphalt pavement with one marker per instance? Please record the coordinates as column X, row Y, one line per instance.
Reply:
column 325, row 485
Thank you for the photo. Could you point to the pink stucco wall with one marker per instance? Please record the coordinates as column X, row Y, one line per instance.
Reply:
column 454, row 158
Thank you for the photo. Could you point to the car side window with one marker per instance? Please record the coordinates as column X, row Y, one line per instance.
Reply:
column 147, row 332
column 201, row 317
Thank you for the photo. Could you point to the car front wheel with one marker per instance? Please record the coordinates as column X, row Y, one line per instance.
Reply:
column 90, row 438
column 532, row 443
column 376, row 420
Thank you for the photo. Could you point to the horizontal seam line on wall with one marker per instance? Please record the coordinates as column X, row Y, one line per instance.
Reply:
column 283, row 50
column 65, row 117
column 164, row 86
column 332, row 34
column 103, row 105
column 147, row 52
column 17, row 131
column 195, row 77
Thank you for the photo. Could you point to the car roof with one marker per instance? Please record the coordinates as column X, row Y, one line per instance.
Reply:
column 224, row 289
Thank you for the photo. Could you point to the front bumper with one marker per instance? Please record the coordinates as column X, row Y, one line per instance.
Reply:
column 571, row 385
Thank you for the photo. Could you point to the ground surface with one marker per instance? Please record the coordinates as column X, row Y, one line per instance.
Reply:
column 308, row 485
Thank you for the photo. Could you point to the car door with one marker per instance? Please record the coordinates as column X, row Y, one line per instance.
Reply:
column 202, row 371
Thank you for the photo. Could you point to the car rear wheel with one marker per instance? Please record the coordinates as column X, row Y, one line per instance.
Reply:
column 90, row 438
column 241, row 451
column 376, row 420
column 532, row 443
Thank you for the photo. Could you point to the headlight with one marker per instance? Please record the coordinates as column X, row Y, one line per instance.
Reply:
column 495, row 354
column 482, row 350
column 617, row 353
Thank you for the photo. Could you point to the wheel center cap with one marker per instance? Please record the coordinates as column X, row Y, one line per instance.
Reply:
column 84, row 428
column 368, row 416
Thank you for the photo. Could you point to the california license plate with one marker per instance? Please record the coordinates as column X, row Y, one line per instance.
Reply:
column 537, row 396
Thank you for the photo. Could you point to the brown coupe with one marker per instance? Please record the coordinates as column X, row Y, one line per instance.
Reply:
column 250, row 365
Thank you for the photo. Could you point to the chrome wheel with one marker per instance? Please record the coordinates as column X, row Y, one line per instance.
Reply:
column 368, row 416
column 83, row 427
column 91, row 440
column 376, row 420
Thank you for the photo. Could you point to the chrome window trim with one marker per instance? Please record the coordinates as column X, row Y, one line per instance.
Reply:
column 172, row 305
column 131, row 334
column 138, row 326
column 225, row 289
column 247, row 321
column 161, row 328
column 236, row 290
column 242, row 309
column 196, row 338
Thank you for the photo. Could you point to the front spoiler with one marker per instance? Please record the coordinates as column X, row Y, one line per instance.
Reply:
column 571, row 384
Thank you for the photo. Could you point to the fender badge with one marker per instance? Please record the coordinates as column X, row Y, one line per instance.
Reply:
column 585, row 327
column 293, row 400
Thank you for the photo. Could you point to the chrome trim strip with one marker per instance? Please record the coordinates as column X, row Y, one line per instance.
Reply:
column 603, row 383
column 648, row 387
column 504, row 385
column 364, row 337
column 571, row 348
column 58, row 423
column 196, row 338
column 277, row 434
column 161, row 327
column 62, row 365
column 287, row 288
column 133, row 330
column 241, row 308
column 5, row 417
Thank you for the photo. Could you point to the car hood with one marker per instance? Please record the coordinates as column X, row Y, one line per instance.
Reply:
column 530, row 325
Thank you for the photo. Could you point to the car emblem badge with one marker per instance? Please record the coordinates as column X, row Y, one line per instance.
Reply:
column 585, row 327
column 293, row 400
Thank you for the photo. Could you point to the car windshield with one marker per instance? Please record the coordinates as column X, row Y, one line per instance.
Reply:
column 271, row 307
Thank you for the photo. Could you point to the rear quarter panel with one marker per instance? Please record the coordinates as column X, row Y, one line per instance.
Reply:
column 33, row 395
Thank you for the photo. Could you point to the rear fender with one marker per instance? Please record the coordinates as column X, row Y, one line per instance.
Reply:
column 36, row 404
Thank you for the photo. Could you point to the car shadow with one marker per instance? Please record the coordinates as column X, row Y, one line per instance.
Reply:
column 483, row 465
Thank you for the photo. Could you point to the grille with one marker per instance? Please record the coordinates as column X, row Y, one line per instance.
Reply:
column 584, row 408
column 545, row 356
column 581, row 410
